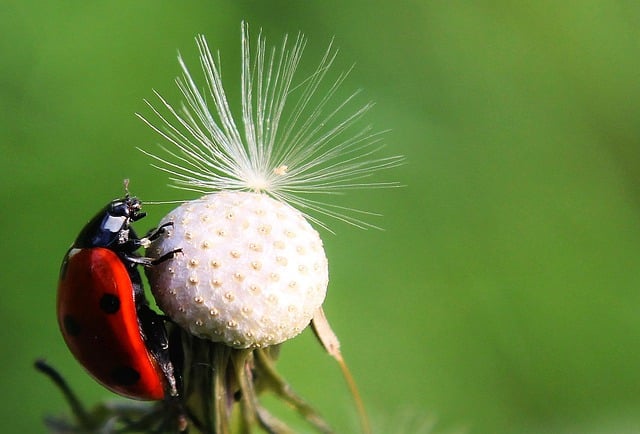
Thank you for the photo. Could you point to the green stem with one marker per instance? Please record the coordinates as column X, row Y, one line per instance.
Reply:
column 274, row 382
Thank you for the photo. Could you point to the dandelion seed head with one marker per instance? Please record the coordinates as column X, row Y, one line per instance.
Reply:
column 248, row 283
column 296, row 139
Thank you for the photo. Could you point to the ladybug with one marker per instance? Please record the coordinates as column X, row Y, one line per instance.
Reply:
column 102, row 310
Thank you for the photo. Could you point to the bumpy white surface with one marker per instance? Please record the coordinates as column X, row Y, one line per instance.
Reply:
column 251, row 274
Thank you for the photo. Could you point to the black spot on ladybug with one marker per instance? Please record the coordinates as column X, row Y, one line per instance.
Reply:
column 110, row 303
column 125, row 376
column 71, row 326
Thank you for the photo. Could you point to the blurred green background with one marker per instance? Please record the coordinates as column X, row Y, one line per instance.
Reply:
column 502, row 296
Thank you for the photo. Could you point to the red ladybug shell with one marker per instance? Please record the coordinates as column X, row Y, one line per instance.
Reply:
column 98, row 319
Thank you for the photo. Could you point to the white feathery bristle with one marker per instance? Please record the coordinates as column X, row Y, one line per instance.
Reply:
column 295, row 151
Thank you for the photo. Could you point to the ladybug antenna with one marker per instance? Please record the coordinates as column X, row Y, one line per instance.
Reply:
column 126, row 188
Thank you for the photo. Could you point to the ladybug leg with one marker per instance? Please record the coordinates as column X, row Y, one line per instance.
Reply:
column 133, row 243
column 153, row 234
column 165, row 257
column 149, row 262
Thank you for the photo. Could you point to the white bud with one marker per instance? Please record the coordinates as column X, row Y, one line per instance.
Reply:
column 252, row 271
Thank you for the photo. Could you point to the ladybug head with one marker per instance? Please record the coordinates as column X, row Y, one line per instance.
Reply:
column 111, row 227
column 128, row 207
